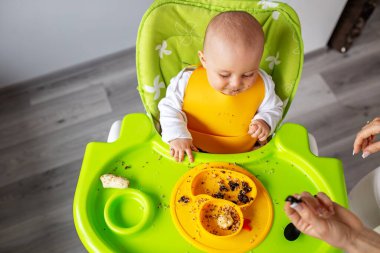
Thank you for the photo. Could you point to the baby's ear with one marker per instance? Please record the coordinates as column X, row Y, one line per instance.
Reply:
column 202, row 58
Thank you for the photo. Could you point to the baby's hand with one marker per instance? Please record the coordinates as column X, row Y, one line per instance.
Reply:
column 178, row 147
column 259, row 129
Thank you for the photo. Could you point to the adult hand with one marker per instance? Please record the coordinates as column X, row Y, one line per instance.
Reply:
column 321, row 218
column 178, row 148
column 365, row 139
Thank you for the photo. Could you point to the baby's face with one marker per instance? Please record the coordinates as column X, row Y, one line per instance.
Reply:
column 230, row 69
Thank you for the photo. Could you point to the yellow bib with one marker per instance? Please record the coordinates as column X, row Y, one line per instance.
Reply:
column 219, row 123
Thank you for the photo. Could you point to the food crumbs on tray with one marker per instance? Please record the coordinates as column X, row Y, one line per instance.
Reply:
column 243, row 198
column 246, row 187
column 184, row 199
column 233, row 185
column 112, row 181
column 222, row 187
column 218, row 195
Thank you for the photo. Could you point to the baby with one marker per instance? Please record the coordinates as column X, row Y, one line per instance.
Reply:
column 228, row 103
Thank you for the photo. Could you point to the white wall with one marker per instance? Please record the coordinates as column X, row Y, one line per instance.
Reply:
column 38, row 37
column 318, row 19
column 41, row 36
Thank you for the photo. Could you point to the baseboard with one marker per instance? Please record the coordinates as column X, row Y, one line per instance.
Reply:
column 312, row 54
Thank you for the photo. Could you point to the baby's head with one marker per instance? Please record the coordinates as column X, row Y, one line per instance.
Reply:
column 232, row 50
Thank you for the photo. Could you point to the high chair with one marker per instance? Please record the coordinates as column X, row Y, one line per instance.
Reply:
column 162, row 209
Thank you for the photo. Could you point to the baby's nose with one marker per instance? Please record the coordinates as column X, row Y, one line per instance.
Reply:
column 235, row 82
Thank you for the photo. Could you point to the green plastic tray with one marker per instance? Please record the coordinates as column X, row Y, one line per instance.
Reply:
column 284, row 166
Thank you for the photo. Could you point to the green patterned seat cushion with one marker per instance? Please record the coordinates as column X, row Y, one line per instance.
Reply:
column 171, row 33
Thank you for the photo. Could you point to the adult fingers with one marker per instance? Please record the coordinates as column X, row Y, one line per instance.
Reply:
column 190, row 154
column 370, row 149
column 357, row 144
column 362, row 140
column 292, row 214
column 364, row 144
column 310, row 201
column 326, row 201
column 303, row 217
column 371, row 139
column 172, row 152
column 307, row 215
column 318, row 207
column 372, row 129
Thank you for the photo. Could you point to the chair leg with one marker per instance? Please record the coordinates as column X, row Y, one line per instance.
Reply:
column 114, row 133
column 365, row 199
column 313, row 144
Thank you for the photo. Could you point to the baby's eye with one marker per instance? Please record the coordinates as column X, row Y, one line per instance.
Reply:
column 224, row 75
column 247, row 76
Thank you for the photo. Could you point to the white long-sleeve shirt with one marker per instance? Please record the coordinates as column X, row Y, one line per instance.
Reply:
column 174, row 121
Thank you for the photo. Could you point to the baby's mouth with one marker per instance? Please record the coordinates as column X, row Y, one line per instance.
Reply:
column 234, row 92
column 231, row 92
